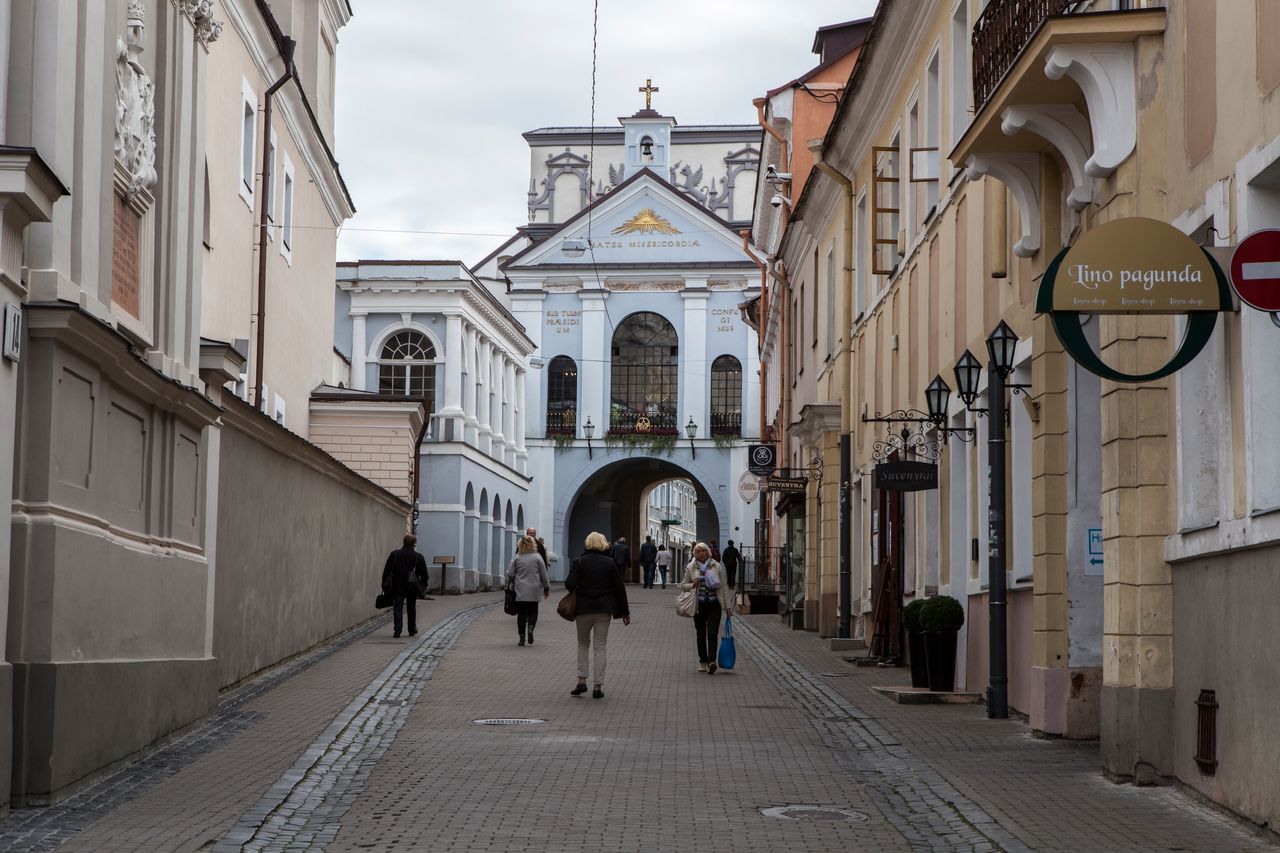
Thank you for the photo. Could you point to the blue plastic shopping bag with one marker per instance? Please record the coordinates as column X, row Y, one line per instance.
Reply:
column 728, row 654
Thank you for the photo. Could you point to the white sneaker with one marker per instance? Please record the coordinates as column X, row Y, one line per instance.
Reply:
column 702, row 667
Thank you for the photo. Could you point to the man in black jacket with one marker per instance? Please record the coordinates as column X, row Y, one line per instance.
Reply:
column 622, row 555
column 648, row 560
column 404, row 568
column 730, row 559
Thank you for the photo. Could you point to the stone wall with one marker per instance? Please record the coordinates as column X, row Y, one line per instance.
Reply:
column 301, row 544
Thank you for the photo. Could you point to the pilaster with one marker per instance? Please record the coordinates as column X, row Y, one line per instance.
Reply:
column 694, row 368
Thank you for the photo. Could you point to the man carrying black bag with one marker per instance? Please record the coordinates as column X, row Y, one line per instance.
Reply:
column 403, row 577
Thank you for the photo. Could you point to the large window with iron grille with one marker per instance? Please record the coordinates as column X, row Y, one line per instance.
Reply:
column 644, row 377
column 562, row 396
column 726, row 396
column 407, row 366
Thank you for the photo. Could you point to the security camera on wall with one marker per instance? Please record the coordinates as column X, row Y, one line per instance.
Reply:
column 771, row 172
column 777, row 200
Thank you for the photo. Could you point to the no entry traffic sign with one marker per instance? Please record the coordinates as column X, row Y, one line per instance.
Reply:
column 1255, row 270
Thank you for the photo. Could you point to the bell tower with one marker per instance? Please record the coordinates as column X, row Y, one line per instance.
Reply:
column 647, row 136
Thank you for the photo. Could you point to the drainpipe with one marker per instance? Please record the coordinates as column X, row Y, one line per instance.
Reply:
column 843, row 631
column 417, row 470
column 759, row 104
column 286, row 54
column 764, row 378
column 784, row 397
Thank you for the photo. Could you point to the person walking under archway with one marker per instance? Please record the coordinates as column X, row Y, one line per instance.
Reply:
column 705, row 575
column 648, row 561
column 664, row 563
column 602, row 597
column 527, row 576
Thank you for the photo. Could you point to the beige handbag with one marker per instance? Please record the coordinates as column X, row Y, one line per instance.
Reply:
column 687, row 603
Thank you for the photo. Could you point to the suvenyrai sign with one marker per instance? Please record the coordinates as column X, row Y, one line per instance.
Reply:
column 906, row 476
column 1133, row 266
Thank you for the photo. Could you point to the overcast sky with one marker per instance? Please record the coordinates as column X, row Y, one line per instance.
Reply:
column 432, row 97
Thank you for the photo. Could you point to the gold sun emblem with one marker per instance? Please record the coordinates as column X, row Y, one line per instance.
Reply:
column 647, row 221
column 643, row 424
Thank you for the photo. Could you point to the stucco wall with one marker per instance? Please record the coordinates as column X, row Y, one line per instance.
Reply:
column 301, row 544
column 1224, row 640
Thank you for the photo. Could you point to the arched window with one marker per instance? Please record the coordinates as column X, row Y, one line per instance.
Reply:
column 726, row 396
column 562, row 396
column 407, row 366
column 644, row 377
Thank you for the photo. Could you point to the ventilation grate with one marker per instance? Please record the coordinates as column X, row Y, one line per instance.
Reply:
column 1207, row 732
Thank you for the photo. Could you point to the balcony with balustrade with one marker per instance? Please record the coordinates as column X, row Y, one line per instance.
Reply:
column 1057, row 77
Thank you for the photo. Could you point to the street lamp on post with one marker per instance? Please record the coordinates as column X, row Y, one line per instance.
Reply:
column 588, row 429
column 1001, row 344
column 691, row 430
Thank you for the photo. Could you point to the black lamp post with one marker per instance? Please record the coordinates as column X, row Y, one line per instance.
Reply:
column 588, row 429
column 968, row 371
column 691, row 430
column 1001, row 344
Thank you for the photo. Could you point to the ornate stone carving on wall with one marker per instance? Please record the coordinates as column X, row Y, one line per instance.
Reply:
column 135, row 139
column 560, row 164
column 201, row 14
column 718, row 195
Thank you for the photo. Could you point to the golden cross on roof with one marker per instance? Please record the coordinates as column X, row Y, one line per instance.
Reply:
column 648, row 88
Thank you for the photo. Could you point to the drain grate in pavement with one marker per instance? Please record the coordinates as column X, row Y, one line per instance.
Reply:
column 814, row 813
column 507, row 721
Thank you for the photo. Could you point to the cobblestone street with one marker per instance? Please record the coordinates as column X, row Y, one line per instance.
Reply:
column 371, row 743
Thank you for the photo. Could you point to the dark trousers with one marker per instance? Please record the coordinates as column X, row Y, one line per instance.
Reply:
column 663, row 571
column 706, row 622
column 410, row 603
column 733, row 576
column 649, row 569
column 526, row 615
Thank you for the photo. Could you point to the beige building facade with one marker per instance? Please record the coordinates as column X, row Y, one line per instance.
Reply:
column 979, row 142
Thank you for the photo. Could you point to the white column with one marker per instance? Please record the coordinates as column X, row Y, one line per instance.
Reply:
column 509, row 401
column 452, row 367
column 484, row 371
column 358, row 348
column 522, row 416
column 469, row 384
column 495, row 401
column 751, row 389
column 591, row 369
column 694, row 369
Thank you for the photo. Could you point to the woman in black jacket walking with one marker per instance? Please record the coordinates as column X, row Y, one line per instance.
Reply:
column 601, row 597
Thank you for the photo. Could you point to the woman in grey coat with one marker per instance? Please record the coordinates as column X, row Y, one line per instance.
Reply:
column 527, row 576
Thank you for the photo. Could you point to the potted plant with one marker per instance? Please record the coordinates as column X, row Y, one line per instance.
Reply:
column 941, row 618
column 915, row 642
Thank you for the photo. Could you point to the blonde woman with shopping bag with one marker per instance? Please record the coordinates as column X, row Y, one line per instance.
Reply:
column 705, row 578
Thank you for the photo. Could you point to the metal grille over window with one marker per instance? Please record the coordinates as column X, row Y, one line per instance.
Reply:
column 407, row 366
column 562, row 396
column 644, row 376
column 1207, row 732
column 726, row 396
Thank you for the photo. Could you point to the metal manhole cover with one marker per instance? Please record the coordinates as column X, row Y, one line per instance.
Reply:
column 507, row 721
column 814, row 813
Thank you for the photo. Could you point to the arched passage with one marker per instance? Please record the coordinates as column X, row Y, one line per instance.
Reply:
column 612, row 500
column 469, row 530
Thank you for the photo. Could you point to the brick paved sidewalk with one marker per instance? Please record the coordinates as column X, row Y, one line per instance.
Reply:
column 372, row 745
column 190, row 793
column 1050, row 794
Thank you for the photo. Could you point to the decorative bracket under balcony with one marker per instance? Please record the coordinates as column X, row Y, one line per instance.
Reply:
column 1020, row 172
column 1107, row 75
column 1067, row 130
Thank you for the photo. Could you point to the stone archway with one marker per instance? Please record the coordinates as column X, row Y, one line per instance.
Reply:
column 610, row 499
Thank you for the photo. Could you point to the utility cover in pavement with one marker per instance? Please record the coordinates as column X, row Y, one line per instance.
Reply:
column 813, row 813
column 507, row 722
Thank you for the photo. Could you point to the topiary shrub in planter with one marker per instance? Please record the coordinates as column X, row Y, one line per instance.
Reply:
column 941, row 617
column 915, row 642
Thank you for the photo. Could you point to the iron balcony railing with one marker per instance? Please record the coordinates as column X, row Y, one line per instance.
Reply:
column 625, row 421
column 562, row 422
column 726, row 424
column 1003, row 29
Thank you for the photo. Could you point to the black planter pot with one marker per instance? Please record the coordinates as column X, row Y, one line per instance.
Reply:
column 940, row 653
column 919, row 668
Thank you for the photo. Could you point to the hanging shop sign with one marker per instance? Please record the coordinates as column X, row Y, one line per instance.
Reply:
column 761, row 458
column 788, row 484
column 1133, row 266
column 1255, row 270
column 749, row 487
column 906, row 476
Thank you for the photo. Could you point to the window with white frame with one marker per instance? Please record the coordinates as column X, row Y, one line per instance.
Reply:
column 407, row 366
column 271, row 186
column 248, row 137
column 286, row 211
column 961, row 79
column 831, row 300
column 864, row 258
